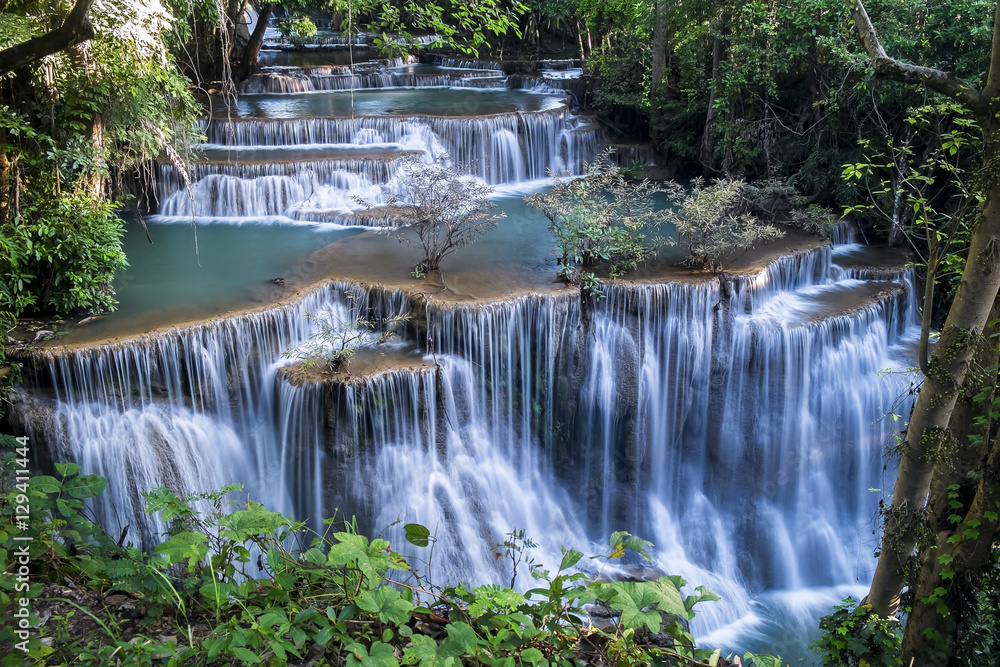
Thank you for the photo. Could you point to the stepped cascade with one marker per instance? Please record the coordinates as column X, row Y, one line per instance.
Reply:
column 743, row 432
column 737, row 421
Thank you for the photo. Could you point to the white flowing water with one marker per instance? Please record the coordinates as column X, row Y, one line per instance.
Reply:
column 738, row 423
column 741, row 433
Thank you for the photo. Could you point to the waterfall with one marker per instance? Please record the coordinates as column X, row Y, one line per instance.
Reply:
column 501, row 149
column 317, row 79
column 738, row 421
column 191, row 409
column 472, row 64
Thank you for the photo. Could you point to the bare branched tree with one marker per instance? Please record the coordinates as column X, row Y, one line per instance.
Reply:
column 446, row 209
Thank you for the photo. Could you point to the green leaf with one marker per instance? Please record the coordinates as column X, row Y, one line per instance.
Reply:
column 569, row 559
column 184, row 545
column 46, row 484
column 242, row 525
column 532, row 655
column 271, row 619
column 324, row 636
column 387, row 603
column 461, row 640
column 245, row 655
column 67, row 469
column 85, row 486
column 64, row 507
column 633, row 598
column 382, row 654
column 417, row 535
column 423, row 650
column 630, row 542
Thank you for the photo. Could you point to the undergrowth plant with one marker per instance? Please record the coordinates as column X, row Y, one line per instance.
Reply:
column 238, row 584
column 855, row 636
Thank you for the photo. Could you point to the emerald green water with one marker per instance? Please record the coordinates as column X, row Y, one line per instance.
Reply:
column 177, row 279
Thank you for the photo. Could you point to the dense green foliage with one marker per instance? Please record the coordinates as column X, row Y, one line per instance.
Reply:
column 766, row 89
column 458, row 25
column 298, row 31
column 712, row 222
column 73, row 129
column 600, row 219
column 234, row 583
column 853, row 636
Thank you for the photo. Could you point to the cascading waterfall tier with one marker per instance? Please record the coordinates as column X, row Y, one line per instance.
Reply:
column 318, row 79
column 291, row 169
column 737, row 421
column 539, row 139
column 192, row 409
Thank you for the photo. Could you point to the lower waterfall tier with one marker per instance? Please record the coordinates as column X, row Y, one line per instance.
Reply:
column 734, row 422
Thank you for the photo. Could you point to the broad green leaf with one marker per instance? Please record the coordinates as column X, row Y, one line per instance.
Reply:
column 271, row 619
column 569, row 559
column 461, row 640
column 532, row 655
column 324, row 636
column 85, row 486
column 64, row 507
column 417, row 535
column 46, row 484
column 67, row 469
column 245, row 655
column 634, row 598
column 387, row 604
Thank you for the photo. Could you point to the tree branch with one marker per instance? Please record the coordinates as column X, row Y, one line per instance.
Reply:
column 946, row 83
column 75, row 29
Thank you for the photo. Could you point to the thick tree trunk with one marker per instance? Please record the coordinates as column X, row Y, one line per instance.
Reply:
column 249, row 60
column 927, row 435
column 953, row 494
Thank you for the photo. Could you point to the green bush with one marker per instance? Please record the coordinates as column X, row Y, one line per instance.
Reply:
column 601, row 219
column 855, row 636
column 62, row 255
column 297, row 31
column 712, row 221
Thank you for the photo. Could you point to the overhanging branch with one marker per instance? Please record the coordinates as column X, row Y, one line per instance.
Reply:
column 75, row 29
column 946, row 83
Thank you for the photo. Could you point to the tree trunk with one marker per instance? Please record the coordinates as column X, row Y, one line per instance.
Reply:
column 953, row 494
column 659, row 87
column 249, row 60
column 927, row 432
column 707, row 154
column 927, row 436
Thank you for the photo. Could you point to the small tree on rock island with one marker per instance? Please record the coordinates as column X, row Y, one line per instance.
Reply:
column 713, row 223
column 600, row 219
column 445, row 208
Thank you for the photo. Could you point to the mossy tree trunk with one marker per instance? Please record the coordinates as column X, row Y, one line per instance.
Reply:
column 929, row 442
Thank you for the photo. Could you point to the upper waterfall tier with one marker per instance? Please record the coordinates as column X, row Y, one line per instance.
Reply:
column 393, row 102
column 329, row 78
column 348, row 158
